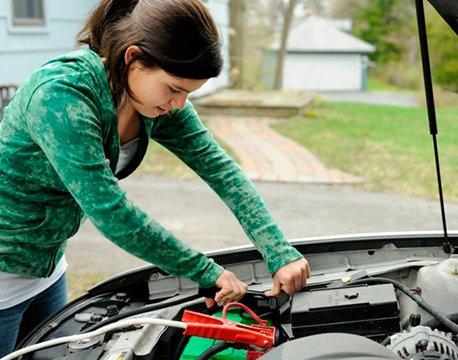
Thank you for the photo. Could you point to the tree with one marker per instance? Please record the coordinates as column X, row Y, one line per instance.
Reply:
column 390, row 25
column 237, row 11
column 288, row 15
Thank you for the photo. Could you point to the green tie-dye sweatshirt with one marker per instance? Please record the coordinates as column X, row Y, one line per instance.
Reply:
column 59, row 147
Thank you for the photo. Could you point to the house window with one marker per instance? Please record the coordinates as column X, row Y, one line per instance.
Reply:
column 28, row 13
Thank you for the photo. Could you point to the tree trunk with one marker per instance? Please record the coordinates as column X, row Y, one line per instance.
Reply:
column 236, row 44
column 288, row 17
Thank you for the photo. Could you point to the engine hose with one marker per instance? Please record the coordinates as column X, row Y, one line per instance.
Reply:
column 215, row 349
column 418, row 299
column 433, row 323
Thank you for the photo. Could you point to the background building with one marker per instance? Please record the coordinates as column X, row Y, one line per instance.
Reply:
column 32, row 31
column 320, row 56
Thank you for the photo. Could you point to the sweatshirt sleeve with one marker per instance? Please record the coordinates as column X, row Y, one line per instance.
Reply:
column 64, row 122
column 184, row 134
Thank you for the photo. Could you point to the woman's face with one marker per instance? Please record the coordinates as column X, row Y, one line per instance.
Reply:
column 157, row 92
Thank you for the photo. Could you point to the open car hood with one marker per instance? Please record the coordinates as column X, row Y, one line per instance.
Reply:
column 448, row 9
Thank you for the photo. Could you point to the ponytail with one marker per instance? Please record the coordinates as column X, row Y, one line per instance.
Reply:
column 108, row 12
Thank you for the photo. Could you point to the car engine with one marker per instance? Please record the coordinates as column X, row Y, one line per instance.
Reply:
column 352, row 317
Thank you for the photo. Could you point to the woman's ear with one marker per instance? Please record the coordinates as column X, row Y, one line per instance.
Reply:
column 131, row 52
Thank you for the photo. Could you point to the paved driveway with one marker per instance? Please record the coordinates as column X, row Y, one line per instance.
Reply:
column 197, row 216
column 403, row 99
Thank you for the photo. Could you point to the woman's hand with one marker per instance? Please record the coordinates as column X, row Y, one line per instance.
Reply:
column 232, row 289
column 290, row 278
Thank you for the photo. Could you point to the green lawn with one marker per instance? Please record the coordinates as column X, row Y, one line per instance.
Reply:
column 376, row 85
column 389, row 146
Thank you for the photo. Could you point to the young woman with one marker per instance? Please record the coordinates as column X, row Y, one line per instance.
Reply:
column 81, row 122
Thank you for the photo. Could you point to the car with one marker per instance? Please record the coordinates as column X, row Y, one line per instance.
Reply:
column 372, row 296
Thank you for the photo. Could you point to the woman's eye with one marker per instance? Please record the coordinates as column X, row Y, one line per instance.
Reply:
column 174, row 91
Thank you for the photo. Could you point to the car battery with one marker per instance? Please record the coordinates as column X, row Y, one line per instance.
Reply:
column 370, row 311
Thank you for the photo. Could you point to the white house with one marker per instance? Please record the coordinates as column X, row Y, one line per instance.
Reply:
column 319, row 56
column 32, row 31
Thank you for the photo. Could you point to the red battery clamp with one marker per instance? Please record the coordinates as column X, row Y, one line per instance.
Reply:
column 259, row 336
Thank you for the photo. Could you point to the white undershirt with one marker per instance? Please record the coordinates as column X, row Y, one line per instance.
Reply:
column 15, row 289
column 127, row 153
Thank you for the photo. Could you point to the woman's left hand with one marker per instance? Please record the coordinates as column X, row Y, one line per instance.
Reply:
column 290, row 278
column 232, row 289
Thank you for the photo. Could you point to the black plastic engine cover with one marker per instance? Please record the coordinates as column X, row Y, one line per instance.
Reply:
column 370, row 311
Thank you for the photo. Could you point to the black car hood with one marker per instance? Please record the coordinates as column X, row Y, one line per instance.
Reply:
column 448, row 9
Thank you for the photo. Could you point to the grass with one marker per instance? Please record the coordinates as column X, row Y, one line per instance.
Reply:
column 377, row 85
column 80, row 281
column 389, row 146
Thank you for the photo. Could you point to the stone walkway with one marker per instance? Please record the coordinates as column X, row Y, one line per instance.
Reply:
column 266, row 155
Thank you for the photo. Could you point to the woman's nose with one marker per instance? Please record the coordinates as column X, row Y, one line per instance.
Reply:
column 179, row 100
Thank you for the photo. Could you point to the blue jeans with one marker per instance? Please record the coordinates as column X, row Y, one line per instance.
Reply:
column 16, row 322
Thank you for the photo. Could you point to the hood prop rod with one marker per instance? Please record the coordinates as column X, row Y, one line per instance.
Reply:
column 448, row 247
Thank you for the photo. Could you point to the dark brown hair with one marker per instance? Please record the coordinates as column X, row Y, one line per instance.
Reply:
column 178, row 36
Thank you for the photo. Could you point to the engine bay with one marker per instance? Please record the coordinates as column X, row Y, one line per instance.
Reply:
column 404, row 309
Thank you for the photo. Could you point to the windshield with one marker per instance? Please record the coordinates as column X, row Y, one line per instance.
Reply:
column 322, row 105
column 337, row 142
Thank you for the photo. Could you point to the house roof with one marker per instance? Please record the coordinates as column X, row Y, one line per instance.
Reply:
column 316, row 35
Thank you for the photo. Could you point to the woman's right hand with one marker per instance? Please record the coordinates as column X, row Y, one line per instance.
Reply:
column 232, row 289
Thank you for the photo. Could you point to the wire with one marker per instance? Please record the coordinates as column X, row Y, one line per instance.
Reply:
column 142, row 310
column 108, row 325
column 215, row 349
column 246, row 309
column 118, row 325
column 418, row 299
column 145, row 309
